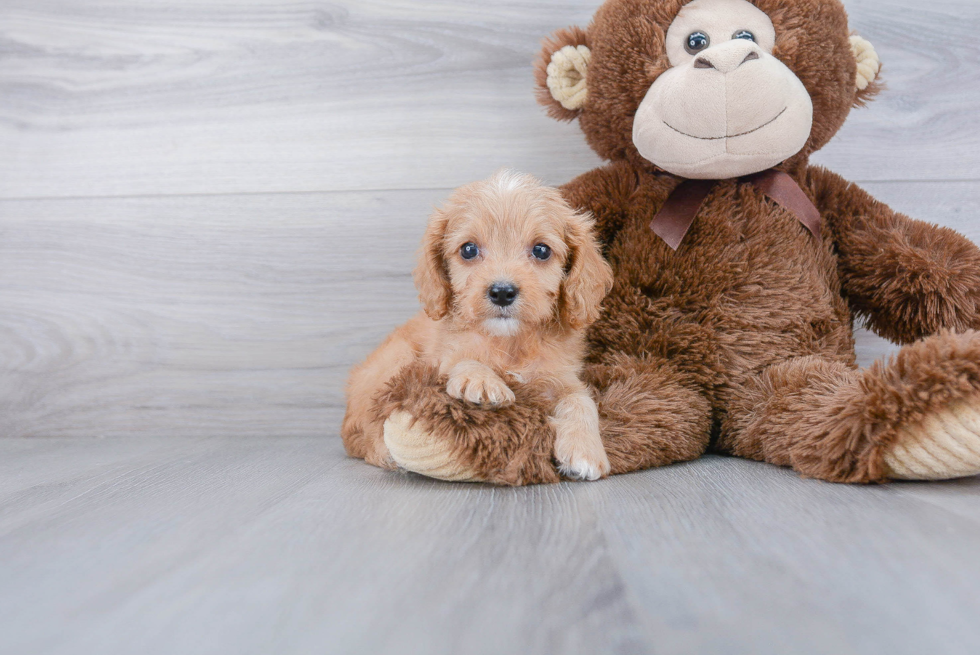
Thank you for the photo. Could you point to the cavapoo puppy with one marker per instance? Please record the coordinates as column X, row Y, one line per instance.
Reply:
column 509, row 277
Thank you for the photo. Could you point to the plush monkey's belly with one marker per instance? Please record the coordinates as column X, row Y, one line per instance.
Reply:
column 749, row 286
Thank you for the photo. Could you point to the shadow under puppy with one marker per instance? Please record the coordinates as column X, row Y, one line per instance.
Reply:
column 509, row 277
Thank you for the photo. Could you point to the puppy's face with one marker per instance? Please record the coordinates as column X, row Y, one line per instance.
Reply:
column 506, row 254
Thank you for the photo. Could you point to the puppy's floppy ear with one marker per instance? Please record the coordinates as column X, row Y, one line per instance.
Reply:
column 561, row 73
column 588, row 278
column 868, row 68
column 430, row 275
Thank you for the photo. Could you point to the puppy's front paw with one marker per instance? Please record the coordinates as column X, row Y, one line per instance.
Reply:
column 480, row 388
column 582, row 460
column 578, row 444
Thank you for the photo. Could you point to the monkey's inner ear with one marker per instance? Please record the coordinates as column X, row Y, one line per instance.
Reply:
column 868, row 66
column 561, row 73
column 567, row 76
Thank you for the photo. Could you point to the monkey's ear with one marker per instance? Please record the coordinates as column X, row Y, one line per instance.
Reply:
column 868, row 67
column 561, row 73
column 430, row 275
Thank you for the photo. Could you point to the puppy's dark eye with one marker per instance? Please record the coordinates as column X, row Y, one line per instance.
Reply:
column 469, row 250
column 541, row 252
column 697, row 42
column 744, row 34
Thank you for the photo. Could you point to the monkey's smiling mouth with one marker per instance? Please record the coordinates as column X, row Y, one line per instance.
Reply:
column 728, row 136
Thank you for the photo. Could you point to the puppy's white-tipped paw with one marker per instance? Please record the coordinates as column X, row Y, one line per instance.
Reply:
column 581, row 456
column 456, row 386
column 494, row 392
column 578, row 444
column 480, row 389
column 584, row 469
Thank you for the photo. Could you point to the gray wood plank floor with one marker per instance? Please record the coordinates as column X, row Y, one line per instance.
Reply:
column 209, row 211
column 257, row 545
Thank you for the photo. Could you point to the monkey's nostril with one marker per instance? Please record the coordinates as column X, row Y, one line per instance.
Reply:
column 750, row 57
column 502, row 294
column 701, row 62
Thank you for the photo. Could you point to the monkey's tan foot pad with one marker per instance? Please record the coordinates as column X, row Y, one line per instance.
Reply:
column 945, row 445
column 416, row 450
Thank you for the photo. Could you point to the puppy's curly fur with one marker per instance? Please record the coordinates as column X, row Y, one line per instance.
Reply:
column 507, row 232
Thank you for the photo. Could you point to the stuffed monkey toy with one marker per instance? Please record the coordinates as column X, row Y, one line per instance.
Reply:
column 739, row 267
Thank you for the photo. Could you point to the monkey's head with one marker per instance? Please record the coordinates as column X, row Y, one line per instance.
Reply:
column 708, row 89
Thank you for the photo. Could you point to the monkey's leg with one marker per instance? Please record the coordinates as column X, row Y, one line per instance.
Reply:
column 647, row 417
column 429, row 432
column 915, row 416
column 648, row 413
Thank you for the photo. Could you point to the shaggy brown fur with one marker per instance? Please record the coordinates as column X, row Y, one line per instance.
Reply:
column 829, row 421
column 509, row 445
column 743, row 336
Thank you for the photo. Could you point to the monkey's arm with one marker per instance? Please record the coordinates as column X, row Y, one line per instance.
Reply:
column 605, row 193
column 907, row 278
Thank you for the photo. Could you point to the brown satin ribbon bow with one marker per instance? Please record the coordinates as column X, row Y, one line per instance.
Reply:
column 674, row 219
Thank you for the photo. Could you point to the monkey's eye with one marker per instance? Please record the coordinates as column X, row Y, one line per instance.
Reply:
column 744, row 34
column 541, row 252
column 697, row 42
column 469, row 250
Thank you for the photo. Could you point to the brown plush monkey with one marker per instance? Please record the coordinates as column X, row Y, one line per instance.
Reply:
column 739, row 267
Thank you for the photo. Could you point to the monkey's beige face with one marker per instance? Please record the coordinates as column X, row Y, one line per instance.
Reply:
column 726, row 107
column 505, row 253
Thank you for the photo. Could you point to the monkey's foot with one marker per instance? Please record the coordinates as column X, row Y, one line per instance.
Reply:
column 943, row 445
column 417, row 450
column 433, row 434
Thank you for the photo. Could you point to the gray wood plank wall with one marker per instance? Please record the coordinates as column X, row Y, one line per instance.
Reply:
column 209, row 208
column 243, row 545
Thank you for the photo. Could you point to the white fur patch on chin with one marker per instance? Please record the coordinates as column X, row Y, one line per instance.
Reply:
column 502, row 326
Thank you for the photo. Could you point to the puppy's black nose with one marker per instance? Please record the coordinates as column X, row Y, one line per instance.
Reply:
column 502, row 294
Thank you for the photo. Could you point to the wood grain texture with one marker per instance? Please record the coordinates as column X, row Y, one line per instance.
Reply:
column 227, row 315
column 752, row 559
column 124, row 98
column 214, row 315
column 249, row 545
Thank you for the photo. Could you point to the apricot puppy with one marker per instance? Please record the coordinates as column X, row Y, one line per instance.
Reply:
column 509, row 277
